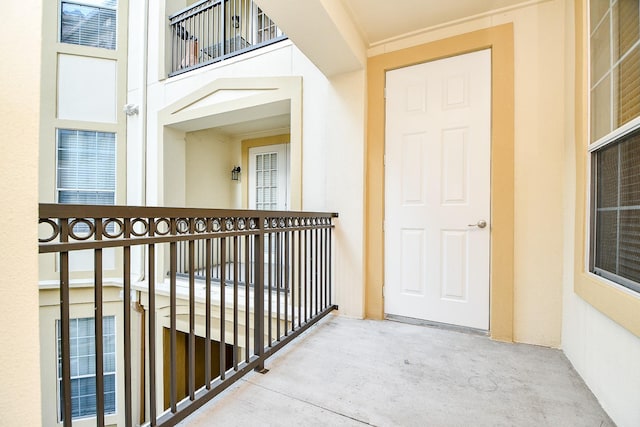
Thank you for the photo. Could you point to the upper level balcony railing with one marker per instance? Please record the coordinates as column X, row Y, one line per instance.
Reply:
column 212, row 30
column 266, row 276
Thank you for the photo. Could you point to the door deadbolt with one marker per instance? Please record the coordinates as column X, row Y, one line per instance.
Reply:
column 481, row 224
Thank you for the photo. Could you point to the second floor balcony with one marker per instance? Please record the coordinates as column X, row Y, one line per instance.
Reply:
column 213, row 30
column 236, row 288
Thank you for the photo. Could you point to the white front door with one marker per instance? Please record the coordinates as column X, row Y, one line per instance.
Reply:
column 269, row 177
column 437, row 190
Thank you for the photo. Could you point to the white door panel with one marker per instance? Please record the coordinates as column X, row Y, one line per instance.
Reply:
column 437, row 183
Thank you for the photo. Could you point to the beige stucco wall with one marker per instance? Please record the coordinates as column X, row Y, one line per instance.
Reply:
column 538, row 33
column 210, row 158
column 603, row 346
column 326, row 147
column 20, row 88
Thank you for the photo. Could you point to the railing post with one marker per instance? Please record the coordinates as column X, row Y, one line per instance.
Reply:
column 64, row 325
column 173, row 339
column 97, row 300
column 151, row 259
column 258, row 294
column 223, row 35
column 127, row 325
column 223, row 304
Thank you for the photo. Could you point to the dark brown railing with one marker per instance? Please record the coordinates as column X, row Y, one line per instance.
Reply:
column 266, row 276
column 212, row 30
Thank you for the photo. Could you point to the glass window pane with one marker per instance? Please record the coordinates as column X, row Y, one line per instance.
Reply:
column 628, row 87
column 600, row 51
column 630, row 171
column 89, row 25
column 73, row 342
column 601, row 109
column 87, row 405
column 109, row 344
column 607, row 176
column 606, row 233
column 87, row 365
column 597, row 9
column 629, row 257
column 86, row 346
column 108, row 325
column 109, row 362
column 86, row 385
column 75, row 407
column 626, row 25
column 86, row 327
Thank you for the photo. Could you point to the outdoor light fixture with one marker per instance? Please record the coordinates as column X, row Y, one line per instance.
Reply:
column 235, row 173
column 236, row 21
column 130, row 109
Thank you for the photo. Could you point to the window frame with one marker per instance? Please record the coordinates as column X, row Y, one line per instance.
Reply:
column 59, row 402
column 615, row 136
column 58, row 188
column 88, row 3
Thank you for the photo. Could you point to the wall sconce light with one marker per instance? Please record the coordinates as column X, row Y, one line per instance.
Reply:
column 130, row 109
column 235, row 173
column 236, row 21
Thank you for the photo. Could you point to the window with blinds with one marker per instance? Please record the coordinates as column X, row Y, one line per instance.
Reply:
column 86, row 167
column 89, row 23
column 83, row 367
column 615, row 137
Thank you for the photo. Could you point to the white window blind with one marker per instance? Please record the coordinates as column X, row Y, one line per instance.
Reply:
column 89, row 23
column 86, row 169
column 83, row 366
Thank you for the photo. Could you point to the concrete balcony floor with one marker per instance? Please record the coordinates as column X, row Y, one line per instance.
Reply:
column 347, row 372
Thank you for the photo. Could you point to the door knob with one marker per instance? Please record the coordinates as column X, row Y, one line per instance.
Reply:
column 481, row 224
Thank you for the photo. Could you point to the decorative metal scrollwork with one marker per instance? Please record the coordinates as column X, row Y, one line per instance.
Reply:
column 162, row 226
column 200, row 225
column 215, row 224
column 183, row 225
column 139, row 227
column 229, row 224
column 84, row 225
column 110, row 224
column 55, row 230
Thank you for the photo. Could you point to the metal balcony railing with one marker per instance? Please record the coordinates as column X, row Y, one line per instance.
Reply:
column 212, row 30
column 263, row 277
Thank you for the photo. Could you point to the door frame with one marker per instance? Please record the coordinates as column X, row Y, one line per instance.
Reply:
column 474, row 119
column 247, row 144
column 500, row 40
column 283, row 166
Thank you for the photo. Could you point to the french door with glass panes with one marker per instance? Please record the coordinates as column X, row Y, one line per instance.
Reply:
column 269, row 177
